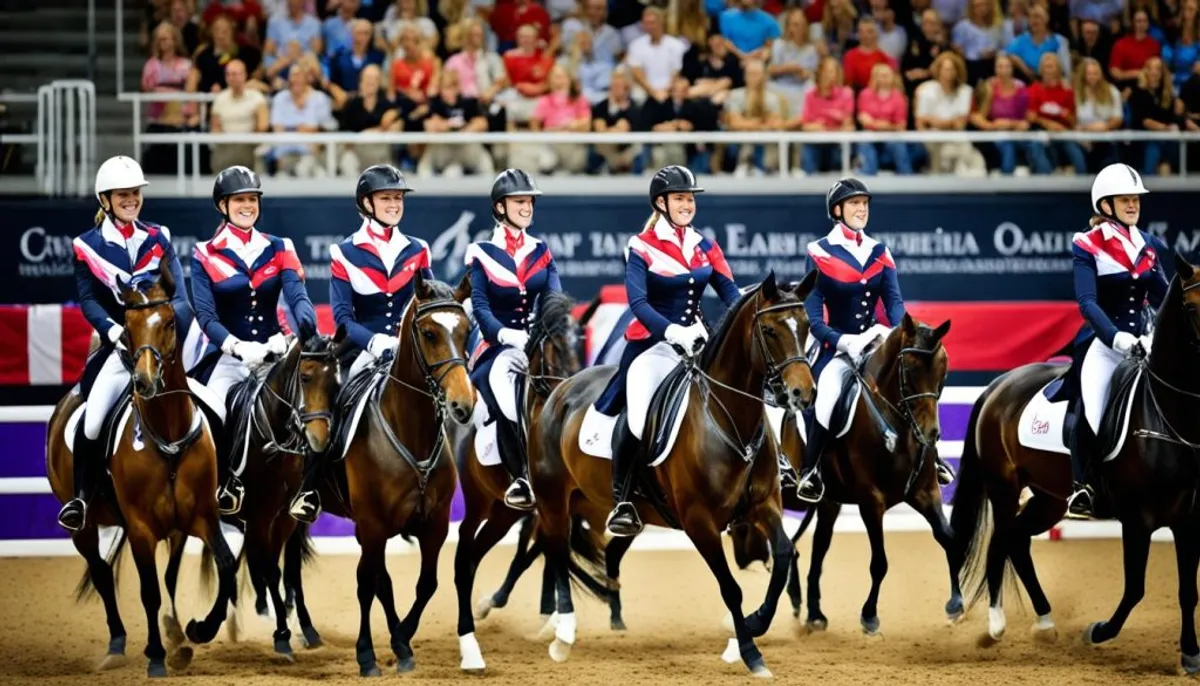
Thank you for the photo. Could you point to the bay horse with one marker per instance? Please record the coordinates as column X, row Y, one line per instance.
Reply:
column 288, row 410
column 1147, row 481
column 163, row 467
column 398, row 476
column 722, row 466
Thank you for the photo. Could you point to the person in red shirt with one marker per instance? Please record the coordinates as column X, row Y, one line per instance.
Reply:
column 247, row 16
column 507, row 17
column 1052, row 108
column 858, row 62
column 417, row 74
column 1130, row 52
column 528, row 71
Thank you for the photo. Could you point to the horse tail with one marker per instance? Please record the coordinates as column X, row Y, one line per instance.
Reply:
column 85, row 589
column 586, row 565
column 208, row 564
column 809, row 513
column 969, row 519
column 301, row 538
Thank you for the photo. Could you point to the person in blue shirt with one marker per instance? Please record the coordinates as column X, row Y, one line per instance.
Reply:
column 667, row 268
column 1117, row 271
column 749, row 29
column 238, row 278
column 509, row 272
column 854, row 271
column 116, row 251
column 370, row 285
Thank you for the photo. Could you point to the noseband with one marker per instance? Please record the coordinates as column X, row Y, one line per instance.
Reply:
column 772, row 370
column 296, row 442
column 129, row 360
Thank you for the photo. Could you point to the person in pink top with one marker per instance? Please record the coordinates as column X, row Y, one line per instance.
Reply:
column 167, row 72
column 562, row 109
column 882, row 106
column 481, row 74
column 829, row 106
column 1001, row 104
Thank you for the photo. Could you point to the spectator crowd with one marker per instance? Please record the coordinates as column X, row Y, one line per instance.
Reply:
column 679, row 65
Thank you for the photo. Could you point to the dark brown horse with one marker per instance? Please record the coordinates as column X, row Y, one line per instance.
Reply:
column 164, row 472
column 399, row 475
column 722, row 466
column 1151, row 482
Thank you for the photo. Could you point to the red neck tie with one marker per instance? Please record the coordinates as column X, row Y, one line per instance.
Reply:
column 242, row 234
column 679, row 232
column 382, row 233
column 851, row 234
column 513, row 243
column 126, row 230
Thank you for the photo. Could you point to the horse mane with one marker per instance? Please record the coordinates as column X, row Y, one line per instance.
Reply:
column 317, row 343
column 441, row 291
column 721, row 332
column 555, row 316
column 1172, row 305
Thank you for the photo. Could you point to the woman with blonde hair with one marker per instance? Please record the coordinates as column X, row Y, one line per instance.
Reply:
column 882, row 106
column 839, row 23
column 794, row 59
column 755, row 108
column 944, row 104
column 1001, row 104
column 562, row 109
column 167, row 71
column 829, row 106
column 978, row 36
column 1154, row 107
column 1098, row 108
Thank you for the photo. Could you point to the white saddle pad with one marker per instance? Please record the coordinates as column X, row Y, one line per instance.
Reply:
column 1041, row 426
column 596, row 432
column 775, row 417
column 487, row 451
column 857, row 391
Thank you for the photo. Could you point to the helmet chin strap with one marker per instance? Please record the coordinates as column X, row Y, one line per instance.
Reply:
column 1112, row 216
column 666, row 214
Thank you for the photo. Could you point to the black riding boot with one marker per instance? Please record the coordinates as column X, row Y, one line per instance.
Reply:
column 1079, row 505
column 73, row 514
column 307, row 503
column 519, row 495
column 231, row 492
column 624, row 519
column 811, row 488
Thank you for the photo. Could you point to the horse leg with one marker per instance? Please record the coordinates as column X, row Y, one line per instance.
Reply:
column 263, row 561
column 370, row 562
column 180, row 655
column 208, row 529
column 1187, row 558
column 1135, row 540
column 427, row 582
column 783, row 552
column 827, row 514
column 700, row 527
column 293, row 573
column 387, row 598
column 1004, row 515
column 554, row 520
column 872, row 516
column 1039, row 514
column 500, row 520
column 793, row 583
column 546, row 604
column 87, row 542
column 928, row 503
column 143, row 543
column 613, row 554
column 464, row 582
column 522, row 559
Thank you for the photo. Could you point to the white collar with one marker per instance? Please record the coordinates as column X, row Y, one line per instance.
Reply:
column 526, row 248
column 860, row 252
column 364, row 235
column 665, row 231
column 1133, row 244
column 113, row 235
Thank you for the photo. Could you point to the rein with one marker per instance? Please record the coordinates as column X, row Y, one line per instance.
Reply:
column 296, row 443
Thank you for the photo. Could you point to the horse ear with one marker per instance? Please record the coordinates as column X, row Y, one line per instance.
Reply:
column 1183, row 267
column 806, row 285
column 940, row 332
column 463, row 290
column 770, row 288
column 166, row 278
column 908, row 325
column 420, row 288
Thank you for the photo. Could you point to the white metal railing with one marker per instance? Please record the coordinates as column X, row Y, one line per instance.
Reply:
column 65, row 136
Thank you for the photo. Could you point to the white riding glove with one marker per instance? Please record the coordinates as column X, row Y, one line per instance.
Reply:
column 251, row 352
column 699, row 336
column 1147, row 342
column 681, row 336
column 114, row 336
column 381, row 343
column 278, row 344
column 1123, row 342
column 514, row 337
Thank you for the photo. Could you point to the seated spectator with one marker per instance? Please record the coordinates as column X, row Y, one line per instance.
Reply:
column 208, row 64
column 978, row 37
column 618, row 113
column 859, row 61
column 838, row 24
column 1052, row 108
column 346, row 66
column 237, row 109
column 794, row 59
column 508, row 17
column 1104, row 13
column 924, row 49
column 1098, row 108
column 1002, row 104
column 688, row 22
column 893, row 38
column 1094, row 42
column 337, row 30
column 450, row 112
column 677, row 113
column 406, row 14
column 655, row 58
column 246, row 19
column 300, row 108
column 480, row 72
column 415, row 71
column 1017, row 20
column 951, row 11
column 1130, row 52
column 755, row 108
column 1189, row 97
column 585, row 66
column 1153, row 107
column 290, row 37
column 179, row 14
column 593, row 17
column 828, row 106
column 369, row 110
column 562, row 109
column 748, row 29
column 1150, row 7
column 944, row 104
column 715, row 73
column 1183, row 53
column 167, row 71
column 883, row 107
column 1027, row 49
column 528, row 70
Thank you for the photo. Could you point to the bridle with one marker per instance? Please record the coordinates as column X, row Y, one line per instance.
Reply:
column 129, row 359
column 540, row 382
column 296, row 442
column 773, row 371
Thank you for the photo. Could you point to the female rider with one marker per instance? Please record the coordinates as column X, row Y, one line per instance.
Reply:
column 109, row 255
column 237, row 278
column 667, row 268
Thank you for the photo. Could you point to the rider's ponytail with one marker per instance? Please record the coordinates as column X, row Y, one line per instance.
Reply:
column 1096, row 220
column 100, row 213
column 651, row 221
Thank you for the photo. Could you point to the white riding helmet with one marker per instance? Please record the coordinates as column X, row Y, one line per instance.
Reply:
column 118, row 173
column 1116, row 179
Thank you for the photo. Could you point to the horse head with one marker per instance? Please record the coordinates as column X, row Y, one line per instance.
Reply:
column 779, row 330
column 436, row 326
column 914, row 353
column 1189, row 286
column 150, row 335
column 553, row 351
column 310, row 383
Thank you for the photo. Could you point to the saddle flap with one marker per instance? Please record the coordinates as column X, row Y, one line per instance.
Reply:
column 1115, row 422
column 843, row 411
column 351, row 400
column 663, row 415
column 1045, row 424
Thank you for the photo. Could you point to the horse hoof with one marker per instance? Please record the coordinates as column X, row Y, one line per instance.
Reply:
column 373, row 670
column 310, row 639
column 283, row 648
column 193, row 631
column 405, row 665
column 617, row 624
column 796, row 611
column 499, row 600
column 560, row 650
column 954, row 609
column 987, row 640
column 761, row 672
column 233, row 625
column 483, row 607
column 731, row 654
column 472, row 655
column 953, row 619
column 870, row 626
column 1089, row 634
column 112, row 661
column 156, row 670
column 1044, row 631
column 1190, row 664
column 816, row 625
column 172, row 632
column 181, row 659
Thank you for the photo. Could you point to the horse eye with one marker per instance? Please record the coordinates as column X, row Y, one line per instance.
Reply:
column 306, row 378
column 771, row 333
column 429, row 335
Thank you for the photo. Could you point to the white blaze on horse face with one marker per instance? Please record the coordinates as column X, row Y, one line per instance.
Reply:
column 154, row 319
column 449, row 322
column 794, row 326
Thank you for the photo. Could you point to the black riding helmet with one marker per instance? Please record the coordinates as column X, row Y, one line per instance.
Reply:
column 842, row 191
column 377, row 178
column 511, row 182
column 672, row 179
column 233, row 181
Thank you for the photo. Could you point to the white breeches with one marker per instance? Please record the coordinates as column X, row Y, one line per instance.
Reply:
column 829, row 387
column 228, row 372
column 110, row 382
column 502, row 378
column 1095, row 376
column 643, row 378
column 360, row 363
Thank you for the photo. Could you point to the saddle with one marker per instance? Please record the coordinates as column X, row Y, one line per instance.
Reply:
column 1115, row 423
column 349, row 399
column 843, row 411
column 240, row 406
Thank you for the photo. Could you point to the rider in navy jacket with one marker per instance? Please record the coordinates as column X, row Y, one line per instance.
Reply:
column 509, row 273
column 118, row 250
column 237, row 280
